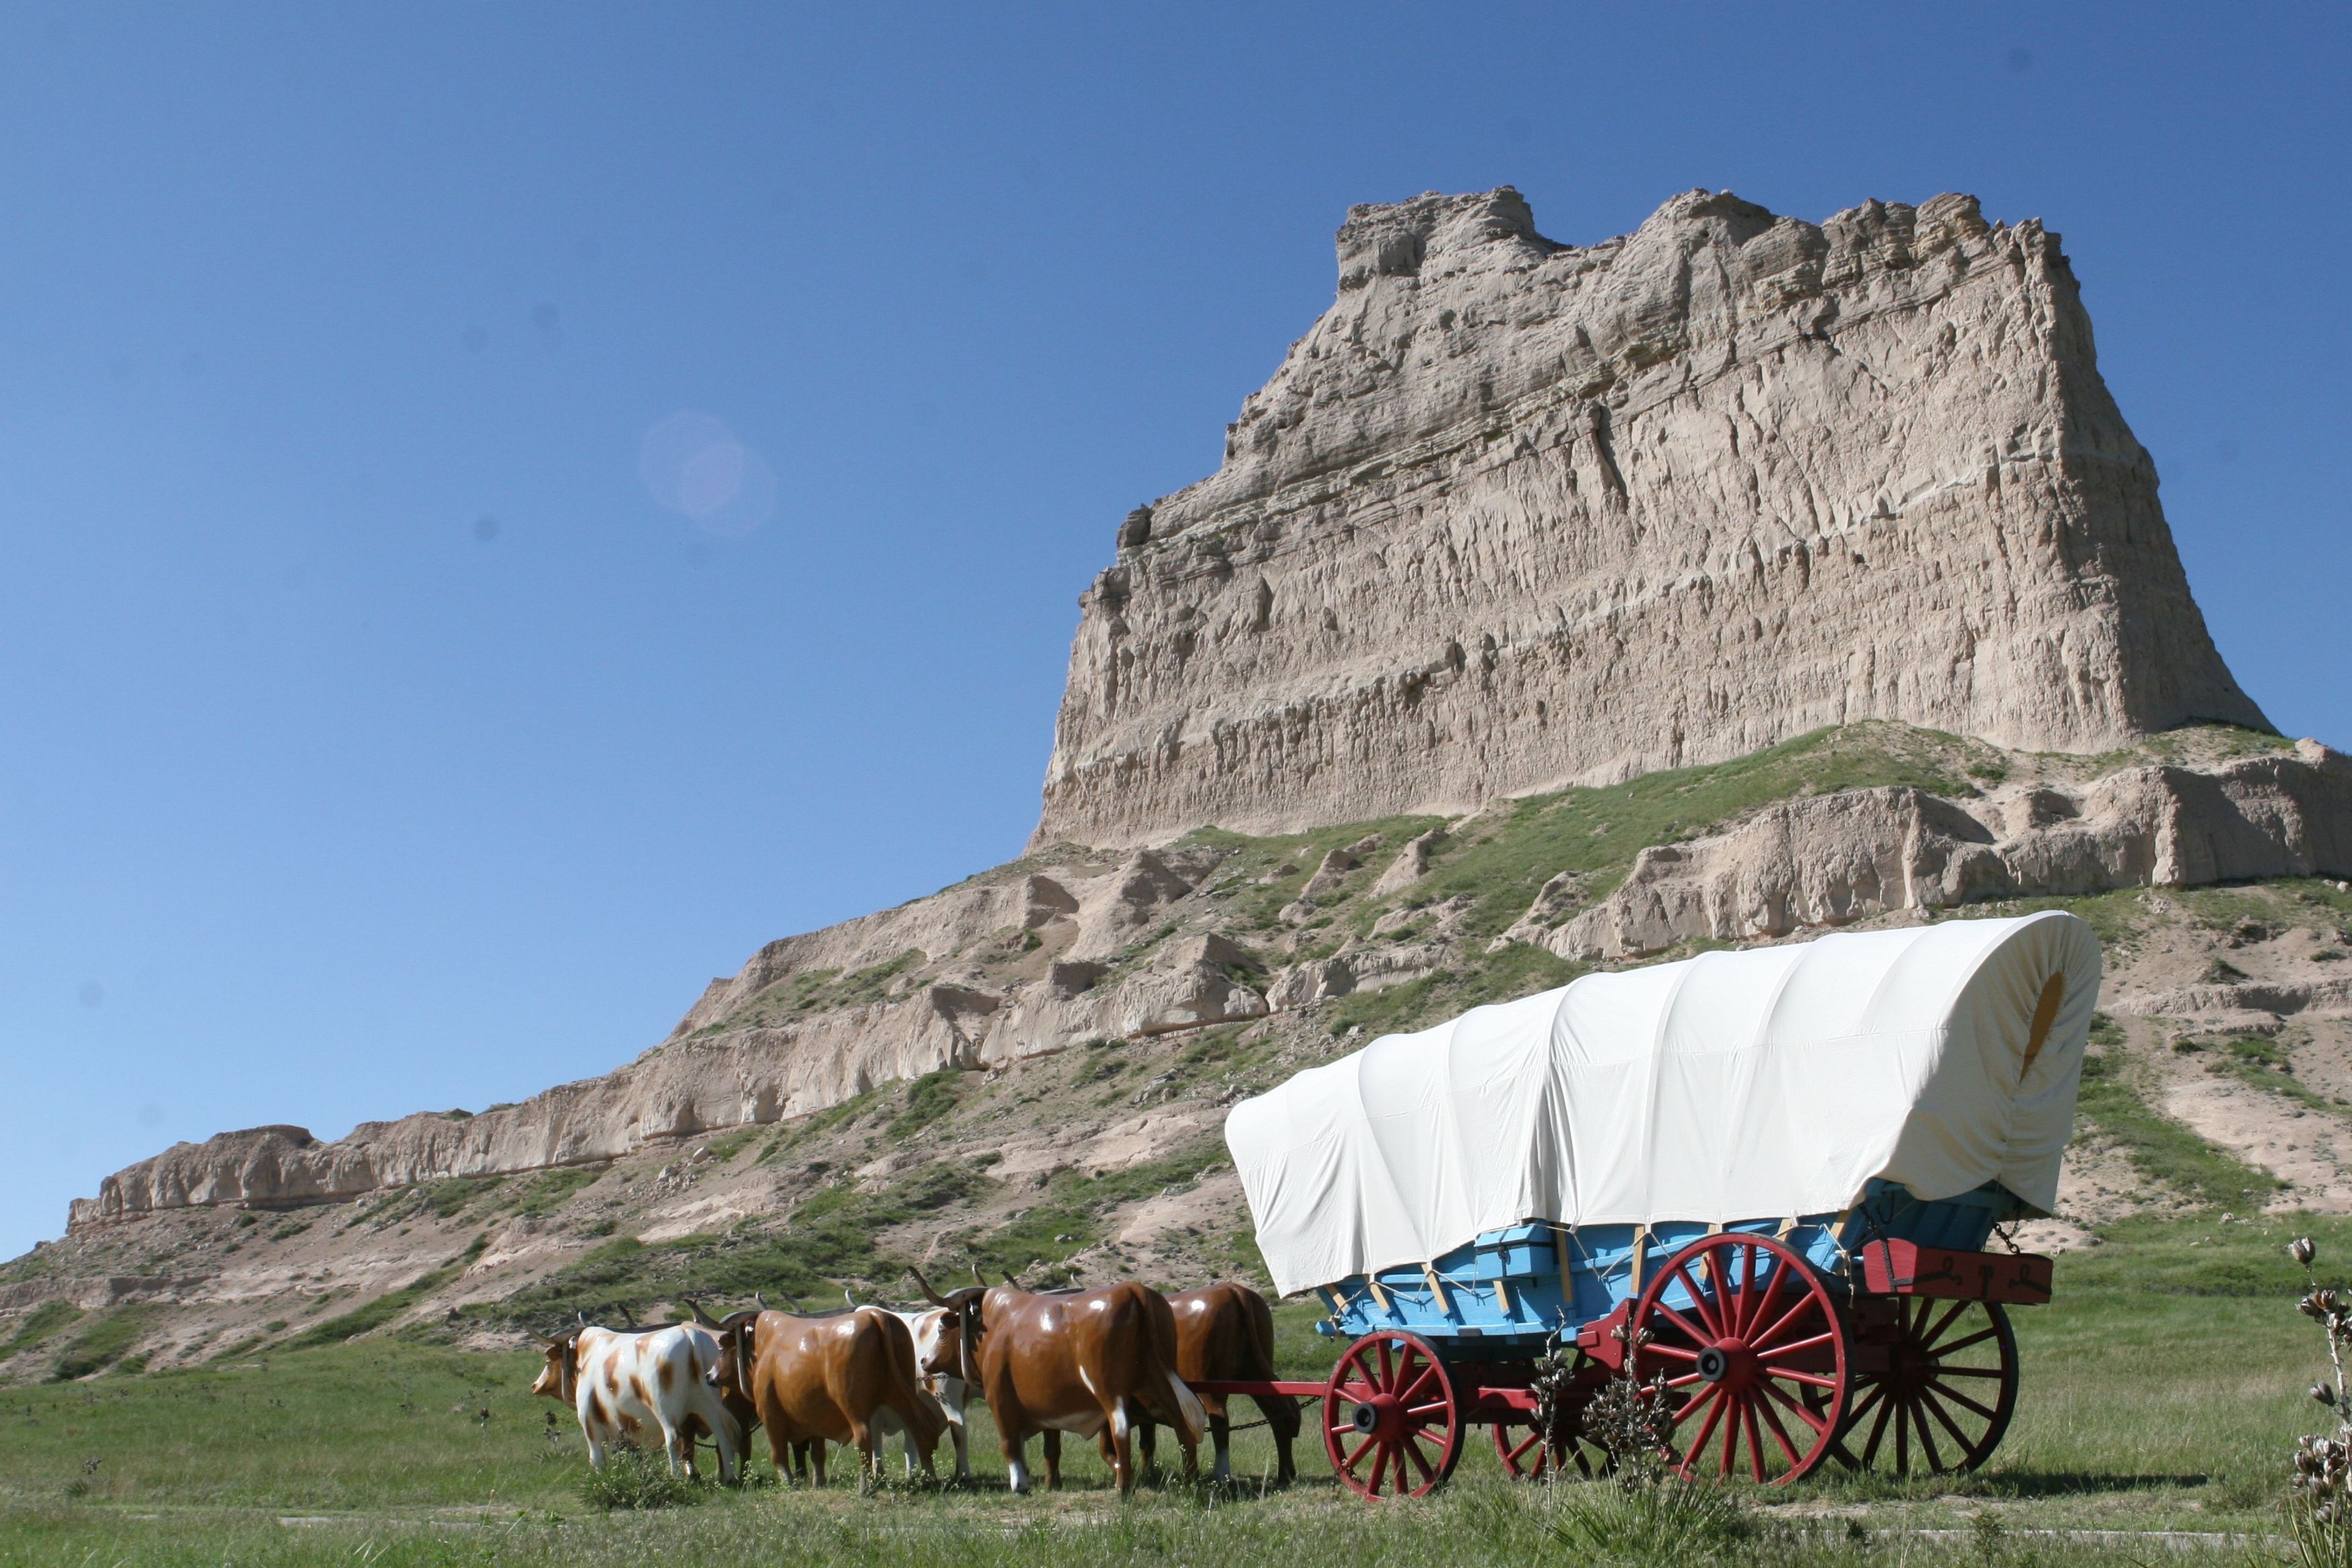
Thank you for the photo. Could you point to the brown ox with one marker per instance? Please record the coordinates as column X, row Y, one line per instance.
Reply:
column 841, row 1378
column 1224, row 1333
column 1090, row 1361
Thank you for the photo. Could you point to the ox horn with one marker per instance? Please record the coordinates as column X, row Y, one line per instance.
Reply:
column 581, row 1313
column 978, row 1278
column 759, row 1300
column 848, row 1298
column 628, row 1316
column 705, row 1319
column 933, row 1296
column 1012, row 1281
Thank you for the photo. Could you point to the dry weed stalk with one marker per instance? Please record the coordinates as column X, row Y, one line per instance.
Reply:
column 2323, row 1461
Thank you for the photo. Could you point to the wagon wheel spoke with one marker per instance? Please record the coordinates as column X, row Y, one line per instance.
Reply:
column 1962, row 1400
column 1352, row 1460
column 1878, row 1431
column 1923, row 1334
column 1730, row 1438
column 1764, row 1303
column 1706, row 1430
column 1809, row 1379
column 1755, row 1442
column 1408, row 1395
column 1789, row 1349
column 1926, row 1437
column 1943, row 1418
column 1699, row 1306
column 1819, row 1424
column 1388, row 1367
column 1379, row 1468
column 1805, row 1303
column 1699, row 1335
column 1958, row 1345
column 1781, row 1432
column 1972, row 1372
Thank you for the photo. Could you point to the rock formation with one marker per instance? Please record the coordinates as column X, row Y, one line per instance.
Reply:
column 1516, row 514
column 1831, row 860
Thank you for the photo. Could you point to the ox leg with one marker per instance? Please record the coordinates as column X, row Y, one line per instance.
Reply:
column 951, row 1398
column 1016, row 1457
column 1146, row 1444
column 1281, row 1414
column 726, row 1439
column 1119, row 1447
column 1051, row 1443
column 1221, row 1438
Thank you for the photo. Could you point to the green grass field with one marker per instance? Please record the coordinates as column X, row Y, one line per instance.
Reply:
column 2161, row 1392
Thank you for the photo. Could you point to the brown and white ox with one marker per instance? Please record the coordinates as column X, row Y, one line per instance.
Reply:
column 1093, row 1363
column 1224, row 1333
column 847, row 1377
column 624, row 1383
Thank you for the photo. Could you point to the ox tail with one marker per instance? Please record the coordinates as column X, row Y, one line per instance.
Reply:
column 1187, row 1416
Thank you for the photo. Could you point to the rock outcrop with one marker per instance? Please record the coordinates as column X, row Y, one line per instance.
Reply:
column 1833, row 860
column 1516, row 514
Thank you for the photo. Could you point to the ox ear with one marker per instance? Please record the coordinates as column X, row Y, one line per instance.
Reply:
column 933, row 1296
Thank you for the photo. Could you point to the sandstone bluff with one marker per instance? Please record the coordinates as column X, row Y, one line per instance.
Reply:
column 1839, row 521
column 1515, row 515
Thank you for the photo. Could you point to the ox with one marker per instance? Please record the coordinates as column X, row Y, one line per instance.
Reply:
column 622, row 1383
column 1090, row 1361
column 1224, row 1333
column 933, row 1331
column 845, row 1378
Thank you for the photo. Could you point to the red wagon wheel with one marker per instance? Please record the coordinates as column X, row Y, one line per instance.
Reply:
column 1533, row 1456
column 1391, row 1421
column 1756, row 1355
column 1944, row 1399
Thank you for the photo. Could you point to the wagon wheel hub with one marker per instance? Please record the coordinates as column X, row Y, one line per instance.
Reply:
column 1731, row 1363
column 1382, row 1415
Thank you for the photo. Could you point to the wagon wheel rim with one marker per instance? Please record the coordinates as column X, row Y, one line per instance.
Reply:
column 1391, row 1423
column 1753, row 1356
column 1529, row 1457
column 1944, row 1401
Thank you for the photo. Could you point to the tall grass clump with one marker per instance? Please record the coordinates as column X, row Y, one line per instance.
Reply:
column 633, row 1478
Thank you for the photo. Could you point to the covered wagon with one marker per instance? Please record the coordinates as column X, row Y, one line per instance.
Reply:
column 1766, row 1180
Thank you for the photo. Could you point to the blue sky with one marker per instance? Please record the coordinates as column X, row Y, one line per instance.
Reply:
column 373, row 739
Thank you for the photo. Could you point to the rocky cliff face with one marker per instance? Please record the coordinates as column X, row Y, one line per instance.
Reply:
column 1517, row 514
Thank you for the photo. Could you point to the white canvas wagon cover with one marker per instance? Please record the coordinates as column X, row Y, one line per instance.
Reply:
column 1733, row 1085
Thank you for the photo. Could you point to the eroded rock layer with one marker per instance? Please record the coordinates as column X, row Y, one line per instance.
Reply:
column 1516, row 514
